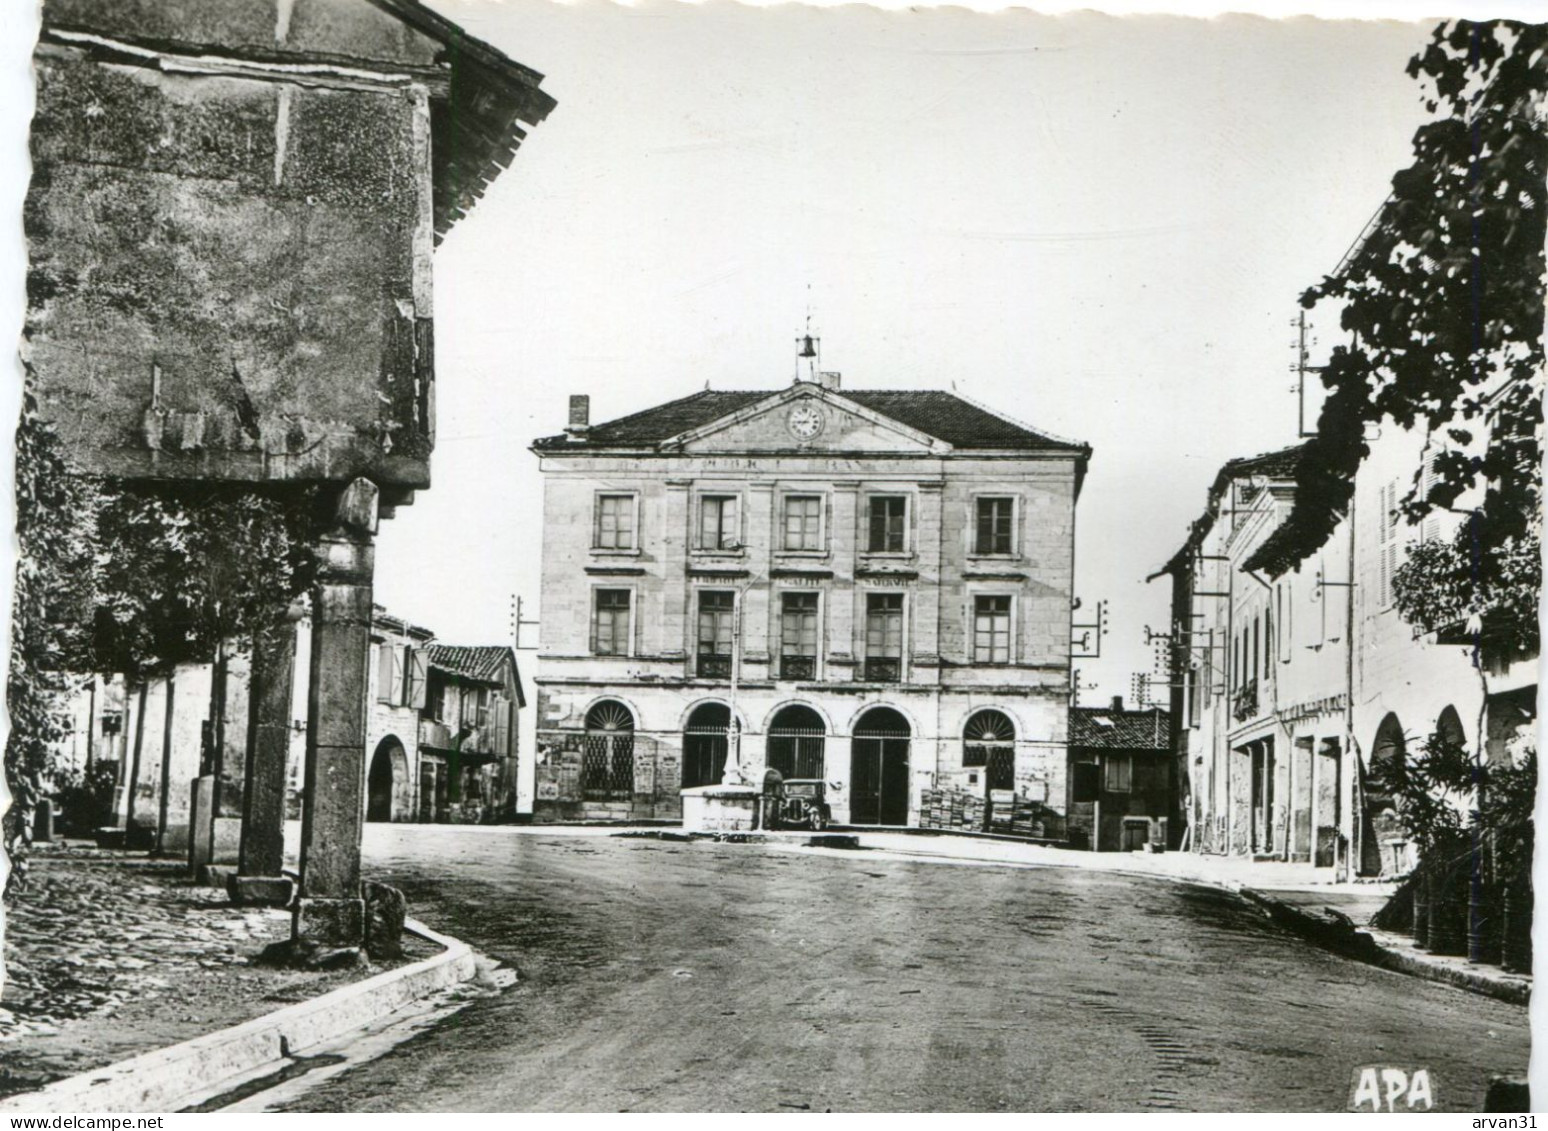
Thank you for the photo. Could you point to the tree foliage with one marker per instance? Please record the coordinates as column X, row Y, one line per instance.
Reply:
column 178, row 572
column 1435, row 788
column 130, row 578
column 1444, row 299
column 48, row 622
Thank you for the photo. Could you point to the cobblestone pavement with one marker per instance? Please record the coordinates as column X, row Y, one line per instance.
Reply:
column 687, row 977
column 109, row 955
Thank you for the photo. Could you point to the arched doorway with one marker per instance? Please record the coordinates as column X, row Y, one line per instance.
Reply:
column 989, row 740
column 705, row 744
column 878, row 769
column 797, row 736
column 1449, row 729
column 607, row 766
column 1381, row 829
column 387, row 782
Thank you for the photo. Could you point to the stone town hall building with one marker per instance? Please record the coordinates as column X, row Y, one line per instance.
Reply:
column 892, row 571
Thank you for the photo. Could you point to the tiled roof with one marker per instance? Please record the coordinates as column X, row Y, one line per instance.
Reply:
column 1279, row 464
column 479, row 662
column 943, row 415
column 1105, row 729
column 382, row 619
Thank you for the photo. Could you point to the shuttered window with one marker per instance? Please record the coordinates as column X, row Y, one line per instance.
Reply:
column 718, row 525
column 995, row 526
column 610, row 632
column 991, row 630
column 889, row 515
column 615, row 522
column 803, row 522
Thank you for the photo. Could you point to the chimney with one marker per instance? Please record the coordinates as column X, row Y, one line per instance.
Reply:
column 580, row 416
column 1118, row 703
column 829, row 380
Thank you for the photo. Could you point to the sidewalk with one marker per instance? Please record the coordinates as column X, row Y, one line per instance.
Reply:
column 110, row 954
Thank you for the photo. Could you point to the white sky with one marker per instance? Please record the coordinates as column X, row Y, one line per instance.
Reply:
column 1098, row 225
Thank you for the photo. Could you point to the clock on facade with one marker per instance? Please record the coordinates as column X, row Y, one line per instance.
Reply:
column 804, row 422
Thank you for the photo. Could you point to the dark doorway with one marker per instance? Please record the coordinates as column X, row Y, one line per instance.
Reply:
column 1380, row 823
column 706, row 742
column 1263, row 796
column 989, row 740
column 607, row 770
column 796, row 743
column 388, row 765
column 878, row 789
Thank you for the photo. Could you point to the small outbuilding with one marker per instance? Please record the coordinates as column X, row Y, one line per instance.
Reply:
column 1120, row 778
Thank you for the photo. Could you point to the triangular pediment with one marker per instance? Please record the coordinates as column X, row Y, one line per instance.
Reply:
column 807, row 418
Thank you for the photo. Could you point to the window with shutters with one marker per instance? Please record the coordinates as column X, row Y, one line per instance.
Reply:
column 717, row 615
column 994, row 530
column 416, row 677
column 888, row 524
column 1118, row 773
column 803, row 523
column 884, row 637
column 387, row 666
column 500, row 720
column 615, row 523
column 719, row 523
column 610, row 625
column 798, row 636
column 1430, row 525
column 991, row 629
column 1387, row 519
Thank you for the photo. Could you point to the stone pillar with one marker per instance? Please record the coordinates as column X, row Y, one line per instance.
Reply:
column 262, row 854
column 201, row 823
column 330, row 910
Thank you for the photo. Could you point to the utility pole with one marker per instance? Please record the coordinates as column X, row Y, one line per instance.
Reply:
column 1300, row 368
column 518, row 622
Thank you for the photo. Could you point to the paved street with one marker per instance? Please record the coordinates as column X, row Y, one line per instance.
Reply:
column 671, row 976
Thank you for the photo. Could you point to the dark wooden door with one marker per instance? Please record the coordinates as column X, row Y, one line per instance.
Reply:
column 878, row 790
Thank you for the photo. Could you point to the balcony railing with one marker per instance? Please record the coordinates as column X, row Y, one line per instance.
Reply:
column 714, row 667
column 883, row 669
column 798, row 667
column 1244, row 705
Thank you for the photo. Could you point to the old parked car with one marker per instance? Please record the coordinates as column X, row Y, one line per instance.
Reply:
column 804, row 805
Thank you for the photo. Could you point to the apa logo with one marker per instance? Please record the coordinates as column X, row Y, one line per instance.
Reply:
column 1378, row 1087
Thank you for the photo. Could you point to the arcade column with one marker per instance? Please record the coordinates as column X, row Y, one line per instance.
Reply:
column 330, row 910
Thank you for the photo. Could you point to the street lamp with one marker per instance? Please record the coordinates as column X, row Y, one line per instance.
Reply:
column 733, row 773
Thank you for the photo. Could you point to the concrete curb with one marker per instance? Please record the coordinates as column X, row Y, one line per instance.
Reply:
column 159, row 1081
column 1390, row 951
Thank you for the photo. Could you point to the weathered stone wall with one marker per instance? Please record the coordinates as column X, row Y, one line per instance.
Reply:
column 230, row 271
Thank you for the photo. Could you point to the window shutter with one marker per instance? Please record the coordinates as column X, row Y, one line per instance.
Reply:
column 418, row 677
column 1429, row 529
column 384, row 680
column 502, row 726
column 394, row 693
